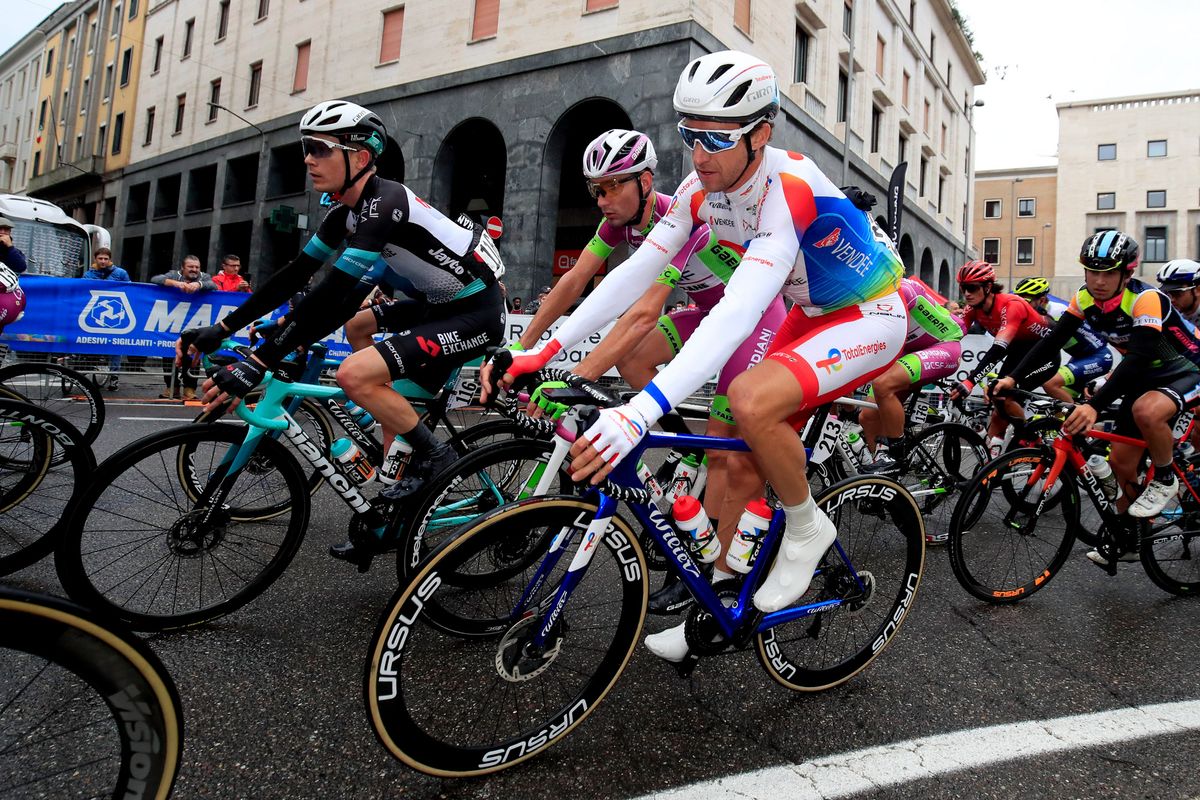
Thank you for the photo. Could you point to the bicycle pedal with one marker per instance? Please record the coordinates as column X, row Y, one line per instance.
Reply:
column 687, row 666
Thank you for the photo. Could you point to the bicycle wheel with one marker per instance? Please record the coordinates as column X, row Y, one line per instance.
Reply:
column 138, row 548
column 34, row 493
column 85, row 711
column 1005, row 543
column 311, row 418
column 1170, row 552
column 484, row 479
column 939, row 461
column 60, row 390
column 471, row 701
column 881, row 541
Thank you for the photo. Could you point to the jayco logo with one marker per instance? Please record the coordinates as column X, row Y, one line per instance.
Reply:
column 107, row 312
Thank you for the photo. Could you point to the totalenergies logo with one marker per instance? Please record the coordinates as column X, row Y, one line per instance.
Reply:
column 831, row 239
column 630, row 426
column 833, row 363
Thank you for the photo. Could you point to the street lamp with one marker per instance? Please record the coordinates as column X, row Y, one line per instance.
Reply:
column 1042, row 246
column 261, row 132
column 1012, row 219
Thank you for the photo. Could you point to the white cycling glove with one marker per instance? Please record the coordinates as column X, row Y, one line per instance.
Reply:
column 618, row 430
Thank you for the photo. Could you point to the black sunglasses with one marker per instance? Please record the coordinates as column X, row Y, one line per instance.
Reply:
column 601, row 188
column 972, row 287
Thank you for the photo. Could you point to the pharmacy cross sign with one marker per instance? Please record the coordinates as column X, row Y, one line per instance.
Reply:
column 284, row 219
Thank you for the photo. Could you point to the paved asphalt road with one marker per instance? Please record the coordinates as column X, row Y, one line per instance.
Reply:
column 273, row 694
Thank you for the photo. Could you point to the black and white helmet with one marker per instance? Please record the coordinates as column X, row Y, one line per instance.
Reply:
column 1179, row 273
column 349, row 122
column 727, row 86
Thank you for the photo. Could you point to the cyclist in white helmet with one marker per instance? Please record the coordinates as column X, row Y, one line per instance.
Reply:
column 644, row 338
column 1179, row 278
column 450, row 271
column 799, row 234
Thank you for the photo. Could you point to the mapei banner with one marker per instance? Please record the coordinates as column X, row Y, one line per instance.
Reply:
column 73, row 315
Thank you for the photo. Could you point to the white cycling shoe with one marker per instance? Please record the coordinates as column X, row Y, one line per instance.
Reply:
column 793, row 568
column 1155, row 497
column 669, row 645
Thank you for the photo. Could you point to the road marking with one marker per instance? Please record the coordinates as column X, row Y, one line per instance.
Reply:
column 156, row 419
column 864, row 771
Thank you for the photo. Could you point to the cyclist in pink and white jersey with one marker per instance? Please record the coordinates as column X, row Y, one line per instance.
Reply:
column 799, row 234
column 931, row 352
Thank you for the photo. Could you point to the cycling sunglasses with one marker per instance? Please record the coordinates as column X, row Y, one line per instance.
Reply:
column 972, row 287
column 321, row 148
column 714, row 141
column 601, row 188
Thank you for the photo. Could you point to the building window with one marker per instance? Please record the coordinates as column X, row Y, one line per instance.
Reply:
column 1156, row 244
column 944, row 138
column 932, row 44
column 255, row 84
column 902, row 149
column 847, row 18
column 876, row 127
column 912, row 14
column 991, row 251
column 926, row 118
column 126, row 65
column 1025, row 250
column 941, row 191
column 1026, row 207
column 189, row 28
column 83, row 96
column 905, row 83
column 70, row 53
column 599, row 5
column 992, row 209
column 924, row 174
column 393, row 28
column 741, row 15
column 37, row 163
column 1156, row 198
column 158, row 51
column 42, row 116
column 1106, row 201
column 843, row 95
column 149, row 126
column 116, row 20
column 180, row 108
column 78, row 146
column 264, row 6
column 300, row 78
column 108, row 80
column 214, row 99
column 118, row 133
column 800, row 65
column 133, row 8
column 485, row 20
column 1156, row 148
column 948, row 65
column 880, row 55
column 1106, row 152
column 92, row 29
column 101, row 139
column 222, row 20
column 49, row 69
column 66, row 103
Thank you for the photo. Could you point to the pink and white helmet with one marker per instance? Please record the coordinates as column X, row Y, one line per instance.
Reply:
column 12, row 306
column 618, row 152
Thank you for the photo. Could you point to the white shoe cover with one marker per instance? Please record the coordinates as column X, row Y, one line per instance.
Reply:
column 669, row 645
column 793, row 568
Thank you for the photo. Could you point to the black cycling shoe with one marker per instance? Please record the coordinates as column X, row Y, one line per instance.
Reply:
column 883, row 465
column 359, row 553
column 437, row 460
column 672, row 598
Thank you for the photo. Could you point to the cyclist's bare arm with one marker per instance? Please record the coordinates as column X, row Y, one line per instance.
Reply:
column 630, row 329
column 565, row 292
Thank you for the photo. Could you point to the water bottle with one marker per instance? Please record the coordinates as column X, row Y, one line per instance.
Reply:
column 646, row 476
column 691, row 519
column 354, row 410
column 750, row 529
column 1100, row 467
column 395, row 462
column 684, row 478
column 366, row 423
column 858, row 448
column 1184, row 451
column 701, row 478
column 353, row 461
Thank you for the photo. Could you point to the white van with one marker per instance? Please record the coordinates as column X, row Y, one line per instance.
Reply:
column 53, row 242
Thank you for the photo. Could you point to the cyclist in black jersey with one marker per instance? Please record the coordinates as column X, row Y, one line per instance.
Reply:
column 1157, row 377
column 450, row 271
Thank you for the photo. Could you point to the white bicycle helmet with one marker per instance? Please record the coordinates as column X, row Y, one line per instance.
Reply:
column 1180, row 273
column 8, row 279
column 618, row 152
column 727, row 86
column 349, row 122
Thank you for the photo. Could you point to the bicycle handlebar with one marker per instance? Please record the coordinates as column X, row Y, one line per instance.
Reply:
column 251, row 417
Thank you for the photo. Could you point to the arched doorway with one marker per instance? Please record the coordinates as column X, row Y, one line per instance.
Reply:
column 927, row 266
column 906, row 254
column 390, row 164
column 567, row 213
column 469, row 171
column 943, row 285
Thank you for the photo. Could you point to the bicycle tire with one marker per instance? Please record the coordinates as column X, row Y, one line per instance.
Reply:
column 459, row 493
column 309, row 416
column 136, row 543
column 938, row 461
column 35, row 494
column 1170, row 553
column 48, row 392
column 109, row 722
column 879, row 526
column 444, row 726
column 1001, row 550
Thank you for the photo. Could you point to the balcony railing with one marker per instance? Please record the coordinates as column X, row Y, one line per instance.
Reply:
column 90, row 167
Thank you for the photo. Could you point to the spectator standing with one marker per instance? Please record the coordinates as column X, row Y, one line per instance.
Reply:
column 10, row 256
column 515, row 306
column 537, row 302
column 188, row 279
column 229, row 279
column 103, row 269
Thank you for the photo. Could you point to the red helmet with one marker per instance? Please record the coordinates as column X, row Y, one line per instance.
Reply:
column 976, row 272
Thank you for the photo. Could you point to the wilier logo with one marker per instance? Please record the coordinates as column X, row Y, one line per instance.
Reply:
column 107, row 312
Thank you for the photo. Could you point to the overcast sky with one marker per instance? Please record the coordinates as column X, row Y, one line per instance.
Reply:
column 1035, row 52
